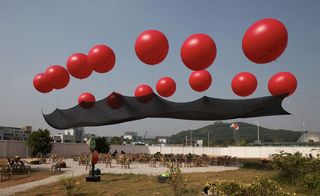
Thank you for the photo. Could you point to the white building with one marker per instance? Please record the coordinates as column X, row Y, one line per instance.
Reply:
column 74, row 135
column 15, row 133
column 129, row 137
column 162, row 140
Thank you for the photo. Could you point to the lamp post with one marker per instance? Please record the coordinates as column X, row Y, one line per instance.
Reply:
column 258, row 131
column 208, row 137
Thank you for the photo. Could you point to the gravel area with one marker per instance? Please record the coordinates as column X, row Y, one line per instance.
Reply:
column 75, row 170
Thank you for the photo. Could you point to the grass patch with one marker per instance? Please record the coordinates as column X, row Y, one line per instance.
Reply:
column 35, row 175
column 132, row 184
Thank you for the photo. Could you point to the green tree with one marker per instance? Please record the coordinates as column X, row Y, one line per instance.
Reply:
column 39, row 142
column 102, row 145
column 117, row 140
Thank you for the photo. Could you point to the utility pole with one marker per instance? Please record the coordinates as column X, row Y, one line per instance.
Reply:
column 191, row 138
column 208, row 137
column 303, row 132
column 186, row 140
column 258, row 131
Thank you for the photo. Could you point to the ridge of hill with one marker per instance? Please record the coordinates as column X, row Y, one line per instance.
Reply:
column 222, row 134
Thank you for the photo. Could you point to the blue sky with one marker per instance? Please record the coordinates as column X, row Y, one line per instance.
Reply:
column 35, row 34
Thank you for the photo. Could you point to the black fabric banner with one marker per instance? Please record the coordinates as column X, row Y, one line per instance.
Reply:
column 205, row 108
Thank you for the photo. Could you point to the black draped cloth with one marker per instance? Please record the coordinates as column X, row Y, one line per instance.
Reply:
column 205, row 108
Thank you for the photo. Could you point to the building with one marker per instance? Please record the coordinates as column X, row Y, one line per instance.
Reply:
column 131, row 135
column 310, row 136
column 15, row 133
column 74, row 135
column 162, row 140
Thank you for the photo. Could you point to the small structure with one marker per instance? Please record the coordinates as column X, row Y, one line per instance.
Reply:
column 74, row 135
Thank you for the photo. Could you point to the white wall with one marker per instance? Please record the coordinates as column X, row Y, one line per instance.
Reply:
column 234, row 151
column 11, row 148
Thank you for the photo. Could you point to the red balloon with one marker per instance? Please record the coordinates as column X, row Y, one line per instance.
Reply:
column 244, row 84
column 198, row 51
column 200, row 80
column 166, row 87
column 143, row 93
column 95, row 157
column 282, row 83
column 78, row 66
column 58, row 76
column 115, row 100
column 265, row 40
column 101, row 58
column 152, row 47
column 86, row 100
column 41, row 83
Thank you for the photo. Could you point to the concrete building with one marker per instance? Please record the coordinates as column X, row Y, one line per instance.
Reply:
column 162, row 140
column 15, row 133
column 133, row 136
column 310, row 136
column 74, row 135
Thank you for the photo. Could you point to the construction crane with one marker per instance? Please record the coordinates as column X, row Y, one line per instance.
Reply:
column 144, row 137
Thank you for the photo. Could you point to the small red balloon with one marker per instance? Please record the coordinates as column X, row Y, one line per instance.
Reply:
column 282, row 83
column 78, row 66
column 115, row 100
column 244, row 84
column 95, row 157
column 41, row 83
column 58, row 76
column 143, row 93
column 101, row 58
column 265, row 41
column 200, row 80
column 198, row 51
column 151, row 47
column 166, row 87
column 86, row 100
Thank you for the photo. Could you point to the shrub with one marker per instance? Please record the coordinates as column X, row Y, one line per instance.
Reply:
column 263, row 186
column 177, row 182
column 68, row 184
column 294, row 167
column 312, row 181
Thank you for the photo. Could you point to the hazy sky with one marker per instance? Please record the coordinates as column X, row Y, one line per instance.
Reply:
column 37, row 34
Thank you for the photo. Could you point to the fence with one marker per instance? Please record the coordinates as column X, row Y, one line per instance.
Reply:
column 234, row 151
column 10, row 148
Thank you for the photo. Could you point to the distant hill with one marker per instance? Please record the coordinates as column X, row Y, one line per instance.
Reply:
column 222, row 134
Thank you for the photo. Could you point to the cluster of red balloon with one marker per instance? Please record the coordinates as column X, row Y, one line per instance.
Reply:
column 100, row 59
column 151, row 48
column 262, row 43
column 197, row 53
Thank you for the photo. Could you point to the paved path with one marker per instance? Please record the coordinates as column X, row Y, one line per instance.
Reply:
column 75, row 170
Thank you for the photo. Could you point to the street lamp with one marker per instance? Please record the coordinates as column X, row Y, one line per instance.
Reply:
column 258, row 131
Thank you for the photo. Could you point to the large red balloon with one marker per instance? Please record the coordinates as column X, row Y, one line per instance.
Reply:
column 58, row 76
column 101, row 58
column 151, row 47
column 166, row 87
column 78, row 66
column 86, row 100
column 282, row 83
column 41, row 83
column 265, row 40
column 244, row 84
column 95, row 157
column 200, row 80
column 198, row 51
column 143, row 93
column 115, row 100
